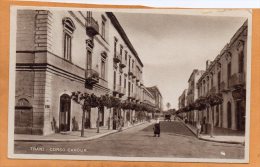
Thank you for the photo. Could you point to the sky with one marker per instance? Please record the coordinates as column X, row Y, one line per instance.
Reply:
column 171, row 46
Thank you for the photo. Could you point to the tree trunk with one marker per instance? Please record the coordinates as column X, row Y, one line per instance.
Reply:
column 83, row 123
column 109, row 119
column 98, row 120
column 212, row 123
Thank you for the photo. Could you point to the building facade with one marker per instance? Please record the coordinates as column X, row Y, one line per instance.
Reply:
column 227, row 75
column 157, row 96
column 60, row 52
column 192, row 94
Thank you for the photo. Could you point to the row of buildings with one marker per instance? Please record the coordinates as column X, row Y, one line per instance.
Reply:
column 226, row 75
column 59, row 52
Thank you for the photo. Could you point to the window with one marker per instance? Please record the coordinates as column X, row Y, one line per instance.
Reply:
column 241, row 62
column 89, row 59
column 120, row 79
column 125, row 82
column 103, row 27
column 212, row 81
column 67, row 46
column 68, row 29
column 115, row 43
column 103, row 68
column 229, row 72
column 121, row 52
column 125, row 56
column 219, row 79
column 114, row 80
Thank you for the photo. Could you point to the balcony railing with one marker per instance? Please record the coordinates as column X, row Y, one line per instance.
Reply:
column 92, row 76
column 130, row 72
column 117, row 57
column 122, row 91
column 116, row 88
column 92, row 27
column 213, row 90
column 122, row 63
column 237, row 80
column 223, row 87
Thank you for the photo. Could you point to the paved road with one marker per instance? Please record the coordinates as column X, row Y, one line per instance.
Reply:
column 175, row 141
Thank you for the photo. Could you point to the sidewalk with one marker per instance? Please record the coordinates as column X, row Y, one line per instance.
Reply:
column 89, row 134
column 219, row 135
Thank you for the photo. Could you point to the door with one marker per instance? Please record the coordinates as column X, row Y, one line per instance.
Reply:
column 87, row 119
column 240, row 116
column 64, row 113
column 229, row 118
column 101, row 117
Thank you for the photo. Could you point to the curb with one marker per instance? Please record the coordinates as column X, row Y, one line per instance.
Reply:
column 80, row 139
column 212, row 140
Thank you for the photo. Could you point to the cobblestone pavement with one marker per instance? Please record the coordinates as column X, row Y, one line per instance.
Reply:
column 175, row 141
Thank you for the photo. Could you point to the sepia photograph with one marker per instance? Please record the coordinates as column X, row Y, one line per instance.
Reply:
column 130, row 84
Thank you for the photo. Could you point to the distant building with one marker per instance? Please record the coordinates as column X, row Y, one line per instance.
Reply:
column 183, row 99
column 182, row 102
column 158, row 97
column 192, row 94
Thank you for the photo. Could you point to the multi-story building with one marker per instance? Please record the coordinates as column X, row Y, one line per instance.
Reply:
column 157, row 96
column 227, row 75
column 182, row 102
column 192, row 94
column 59, row 52
column 148, row 99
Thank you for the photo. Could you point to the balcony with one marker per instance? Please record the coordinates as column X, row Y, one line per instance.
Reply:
column 223, row 87
column 237, row 80
column 117, row 57
column 92, row 77
column 130, row 72
column 213, row 90
column 122, row 63
column 116, row 89
column 92, row 27
column 137, row 79
column 122, row 91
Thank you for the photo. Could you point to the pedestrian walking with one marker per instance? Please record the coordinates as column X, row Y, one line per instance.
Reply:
column 156, row 128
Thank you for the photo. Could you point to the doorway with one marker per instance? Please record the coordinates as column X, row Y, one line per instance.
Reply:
column 229, row 118
column 65, row 103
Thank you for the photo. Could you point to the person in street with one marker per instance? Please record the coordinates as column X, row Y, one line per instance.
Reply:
column 198, row 126
column 156, row 128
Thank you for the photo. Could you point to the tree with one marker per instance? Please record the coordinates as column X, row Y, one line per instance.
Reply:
column 86, row 101
column 168, row 105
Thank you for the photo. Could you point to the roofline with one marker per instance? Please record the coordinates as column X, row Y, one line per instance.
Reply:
column 225, row 49
column 122, row 33
column 156, row 88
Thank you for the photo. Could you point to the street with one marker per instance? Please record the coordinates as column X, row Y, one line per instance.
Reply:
column 176, row 141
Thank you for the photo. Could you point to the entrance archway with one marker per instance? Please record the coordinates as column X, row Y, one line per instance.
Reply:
column 229, row 118
column 23, row 117
column 64, row 116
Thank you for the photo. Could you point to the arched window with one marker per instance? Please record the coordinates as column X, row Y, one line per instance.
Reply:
column 68, row 29
column 24, row 115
